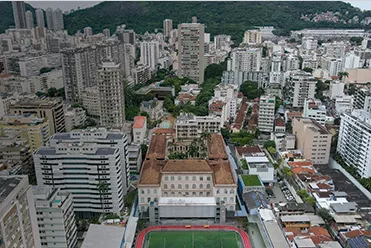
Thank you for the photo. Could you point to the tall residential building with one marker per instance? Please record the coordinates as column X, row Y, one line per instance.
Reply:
column 80, row 65
column 299, row 86
column 49, row 18
column 55, row 216
column 149, row 53
column 54, row 19
column 253, row 36
column 314, row 109
column 167, row 27
column 312, row 139
column 58, row 22
column 91, row 101
column 111, row 92
column 40, row 21
column 19, row 14
column 32, row 129
column 107, row 32
column 354, row 142
column 266, row 113
column 246, row 59
column 362, row 99
column 17, row 214
column 127, row 36
column 99, row 155
column 50, row 109
column 29, row 20
column 88, row 31
column 222, row 42
column 191, row 51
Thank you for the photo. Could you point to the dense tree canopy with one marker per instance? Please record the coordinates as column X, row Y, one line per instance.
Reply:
column 251, row 90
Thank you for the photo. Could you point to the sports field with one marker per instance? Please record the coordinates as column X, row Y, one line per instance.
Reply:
column 193, row 239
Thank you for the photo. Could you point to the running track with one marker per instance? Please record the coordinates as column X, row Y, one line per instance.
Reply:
column 142, row 234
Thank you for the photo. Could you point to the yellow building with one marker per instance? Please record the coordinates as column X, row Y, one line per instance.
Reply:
column 300, row 221
column 30, row 128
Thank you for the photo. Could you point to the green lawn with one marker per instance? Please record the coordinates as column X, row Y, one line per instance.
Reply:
column 193, row 239
column 251, row 180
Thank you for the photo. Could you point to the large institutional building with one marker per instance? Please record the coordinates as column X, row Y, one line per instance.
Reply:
column 202, row 187
column 82, row 160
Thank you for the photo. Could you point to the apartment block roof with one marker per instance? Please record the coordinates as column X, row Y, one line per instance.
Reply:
column 7, row 185
column 139, row 121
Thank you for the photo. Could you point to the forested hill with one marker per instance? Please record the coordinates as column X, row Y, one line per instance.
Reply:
column 6, row 15
column 231, row 18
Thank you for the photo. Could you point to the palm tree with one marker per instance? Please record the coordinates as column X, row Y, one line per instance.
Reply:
column 287, row 172
column 205, row 136
column 193, row 150
column 343, row 75
column 102, row 187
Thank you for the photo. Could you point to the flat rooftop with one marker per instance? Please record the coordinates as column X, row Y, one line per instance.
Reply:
column 7, row 185
column 251, row 180
column 342, row 183
column 99, row 236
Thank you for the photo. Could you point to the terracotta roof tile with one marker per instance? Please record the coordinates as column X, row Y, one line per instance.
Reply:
column 222, row 172
column 216, row 147
column 163, row 131
column 139, row 121
column 157, row 147
column 248, row 149
column 189, row 165
column 300, row 164
column 356, row 233
column 279, row 122
column 318, row 231
column 150, row 173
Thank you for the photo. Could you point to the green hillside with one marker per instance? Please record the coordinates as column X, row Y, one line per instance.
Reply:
column 219, row 17
column 6, row 15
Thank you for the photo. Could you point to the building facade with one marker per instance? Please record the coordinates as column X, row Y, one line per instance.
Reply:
column 314, row 109
column 266, row 113
column 191, row 51
column 18, row 214
column 55, row 217
column 299, row 87
column 99, row 155
column 246, row 59
column 19, row 14
column 312, row 139
column 167, row 27
column 149, row 53
column 354, row 141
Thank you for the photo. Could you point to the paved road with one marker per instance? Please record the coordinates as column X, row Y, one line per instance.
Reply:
column 278, row 193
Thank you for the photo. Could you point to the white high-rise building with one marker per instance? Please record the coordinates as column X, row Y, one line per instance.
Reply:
column 54, row 19
column 88, row 31
column 266, row 113
column 300, row 86
column 336, row 89
column 352, row 61
column 253, row 36
column 54, row 210
column 19, row 14
column 149, row 53
column 29, row 20
column 222, row 42
column 246, row 59
column 17, row 214
column 354, row 142
column 309, row 43
column 314, row 109
column 86, row 160
column 111, row 93
column 168, row 26
column 191, row 62
column 40, row 18
column 58, row 20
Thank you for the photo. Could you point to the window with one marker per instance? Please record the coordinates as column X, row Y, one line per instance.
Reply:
column 187, row 186
column 193, row 193
column 207, row 193
column 142, row 191
column 231, row 191
column 231, row 199
column 208, row 186
column 179, row 178
column 179, row 186
column 165, row 193
column 155, row 191
column 208, row 178
column 201, row 178
column 148, row 191
column 165, row 186
column 217, row 191
column 148, row 199
column 193, row 186
column 172, row 178
column 218, row 199
column 201, row 193
column 187, row 178
column 201, row 186
column 226, row 191
column 194, row 178
column 142, row 199
column 172, row 186
column 166, row 178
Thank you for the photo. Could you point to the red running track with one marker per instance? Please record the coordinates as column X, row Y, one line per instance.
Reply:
column 242, row 233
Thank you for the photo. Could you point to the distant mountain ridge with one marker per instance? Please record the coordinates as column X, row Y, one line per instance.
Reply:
column 231, row 18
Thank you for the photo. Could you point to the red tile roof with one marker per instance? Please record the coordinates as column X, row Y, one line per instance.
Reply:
column 139, row 121
column 248, row 149
column 216, row 147
column 279, row 122
column 157, row 147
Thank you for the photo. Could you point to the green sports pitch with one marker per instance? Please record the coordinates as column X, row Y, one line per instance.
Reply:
column 193, row 239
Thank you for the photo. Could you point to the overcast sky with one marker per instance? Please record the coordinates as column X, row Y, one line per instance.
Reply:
column 68, row 5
